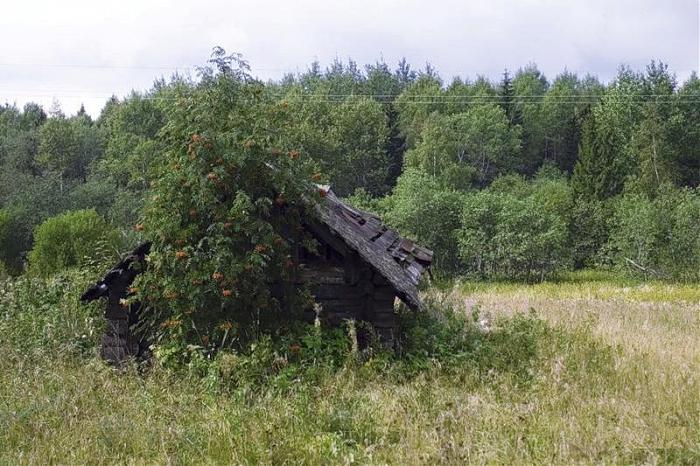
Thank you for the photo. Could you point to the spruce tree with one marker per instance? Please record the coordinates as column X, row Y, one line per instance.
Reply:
column 507, row 94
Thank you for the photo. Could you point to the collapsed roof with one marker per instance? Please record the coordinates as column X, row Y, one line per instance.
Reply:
column 397, row 259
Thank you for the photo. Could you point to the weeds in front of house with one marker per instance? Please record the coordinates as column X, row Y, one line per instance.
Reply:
column 467, row 384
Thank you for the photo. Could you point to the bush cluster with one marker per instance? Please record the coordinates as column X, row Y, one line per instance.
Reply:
column 72, row 239
column 658, row 237
column 530, row 230
column 515, row 229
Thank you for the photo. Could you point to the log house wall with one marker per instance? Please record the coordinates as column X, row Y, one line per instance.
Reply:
column 346, row 287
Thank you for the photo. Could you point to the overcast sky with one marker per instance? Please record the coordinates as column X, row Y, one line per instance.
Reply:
column 83, row 51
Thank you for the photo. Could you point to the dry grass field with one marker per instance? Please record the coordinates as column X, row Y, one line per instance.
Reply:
column 652, row 320
column 589, row 370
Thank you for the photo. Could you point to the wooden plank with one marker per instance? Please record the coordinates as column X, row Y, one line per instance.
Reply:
column 386, row 239
column 322, row 274
column 334, row 291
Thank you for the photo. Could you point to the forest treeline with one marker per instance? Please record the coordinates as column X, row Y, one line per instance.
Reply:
column 519, row 179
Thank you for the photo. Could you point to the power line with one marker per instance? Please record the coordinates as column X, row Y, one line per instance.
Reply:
column 190, row 67
column 415, row 99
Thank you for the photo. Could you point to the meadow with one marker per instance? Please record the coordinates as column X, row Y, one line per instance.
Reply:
column 589, row 369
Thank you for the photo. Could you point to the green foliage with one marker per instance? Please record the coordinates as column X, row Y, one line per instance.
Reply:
column 530, row 87
column 445, row 333
column 551, row 191
column 131, row 148
column 508, row 235
column 42, row 320
column 28, row 202
column 365, row 125
column 686, row 132
column 4, row 228
column 653, row 141
column 98, row 194
column 19, row 137
column 421, row 208
column 68, row 145
column 72, row 239
column 659, row 237
column 362, row 200
column 361, row 130
column 228, row 201
column 415, row 104
column 564, row 108
column 306, row 353
column 348, row 137
column 468, row 148
column 12, row 241
column 43, row 165
column 606, row 157
column 589, row 229
column 460, row 96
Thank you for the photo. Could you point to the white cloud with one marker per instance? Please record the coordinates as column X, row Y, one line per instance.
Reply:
column 83, row 51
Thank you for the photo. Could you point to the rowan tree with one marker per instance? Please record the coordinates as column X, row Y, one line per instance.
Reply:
column 227, row 202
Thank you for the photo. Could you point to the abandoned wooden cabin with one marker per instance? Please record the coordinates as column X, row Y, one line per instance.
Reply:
column 360, row 268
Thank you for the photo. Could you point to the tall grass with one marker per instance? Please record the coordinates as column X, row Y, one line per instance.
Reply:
column 480, row 378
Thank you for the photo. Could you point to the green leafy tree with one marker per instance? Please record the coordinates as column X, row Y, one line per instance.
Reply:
column 589, row 230
column 5, row 225
column 131, row 147
column 58, row 147
column 19, row 139
column 381, row 83
column 348, row 138
column 652, row 143
column 415, row 104
column 404, row 74
column 67, row 146
column 361, row 131
column 685, row 131
column 606, row 160
column 460, row 96
column 342, row 80
column 466, row 149
column 506, row 94
column 564, row 107
column 423, row 209
column 227, row 203
column 28, row 200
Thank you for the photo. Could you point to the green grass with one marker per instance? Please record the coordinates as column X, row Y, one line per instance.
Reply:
column 595, row 284
column 542, row 386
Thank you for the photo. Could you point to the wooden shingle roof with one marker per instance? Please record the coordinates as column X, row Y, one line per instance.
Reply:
column 397, row 259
